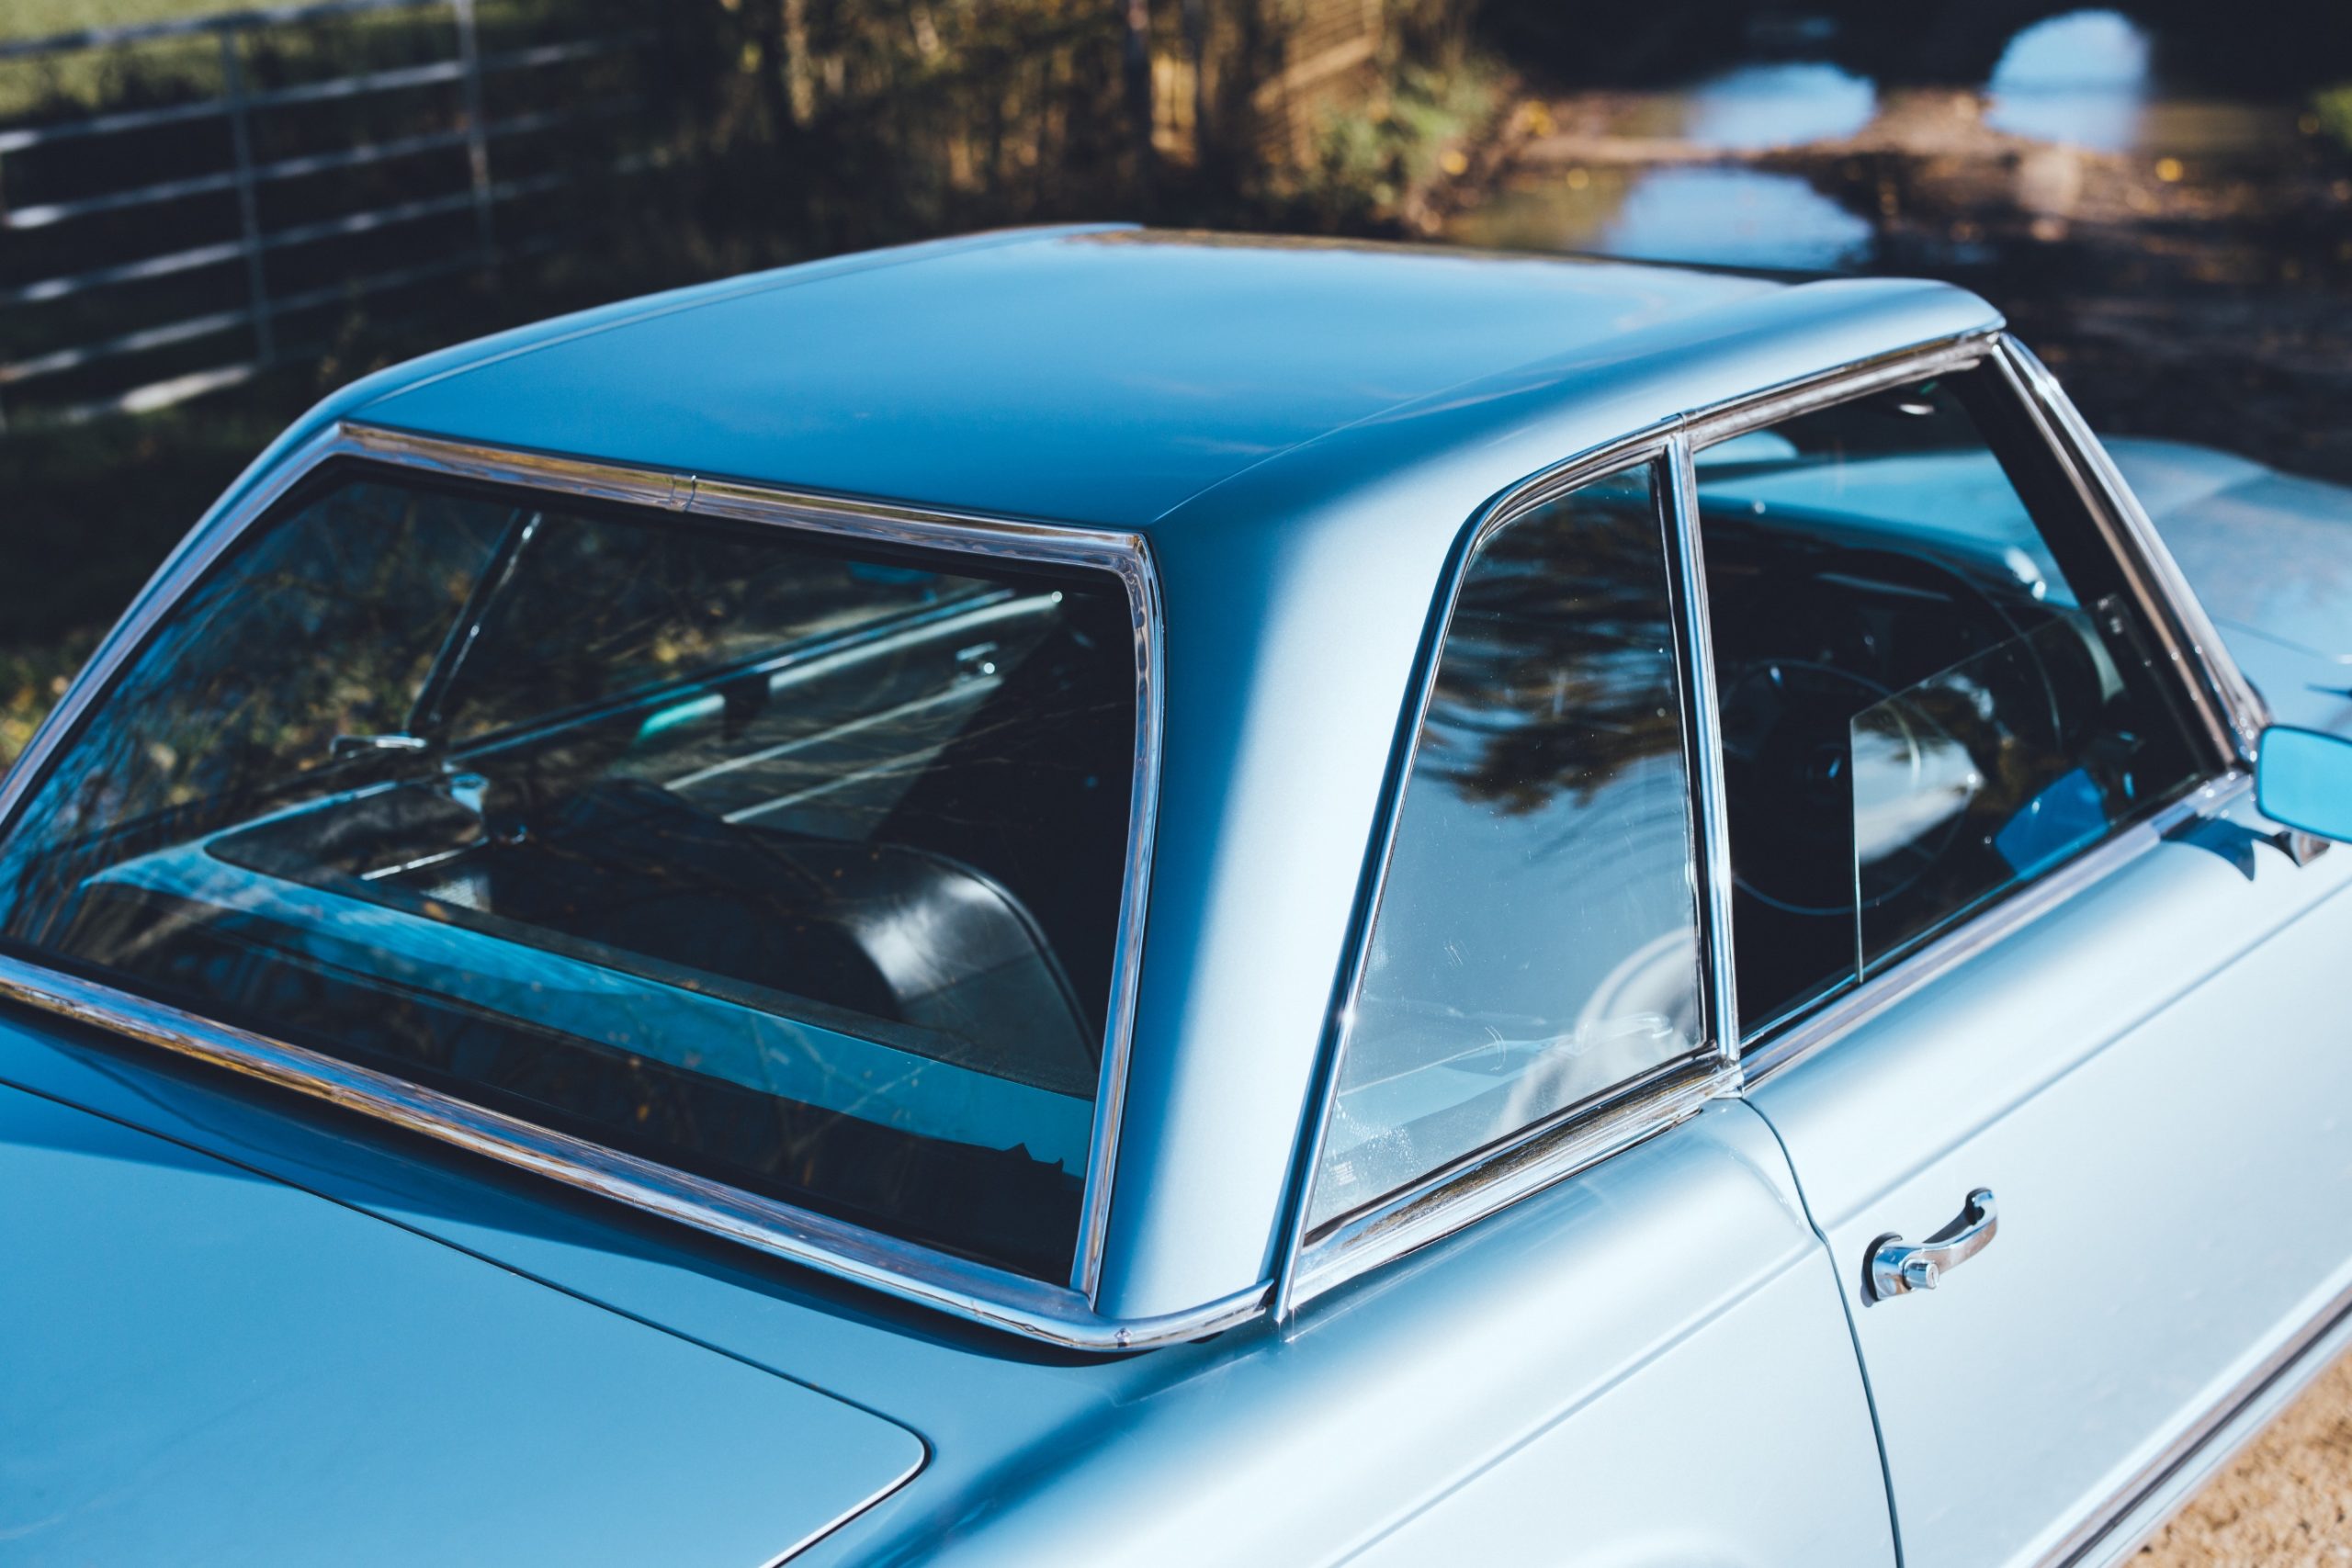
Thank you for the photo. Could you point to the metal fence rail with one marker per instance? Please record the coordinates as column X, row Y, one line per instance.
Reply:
column 241, row 108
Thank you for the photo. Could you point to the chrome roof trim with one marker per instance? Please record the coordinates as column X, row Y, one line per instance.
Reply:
column 998, row 1298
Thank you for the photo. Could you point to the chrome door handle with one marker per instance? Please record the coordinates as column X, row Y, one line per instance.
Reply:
column 1892, row 1267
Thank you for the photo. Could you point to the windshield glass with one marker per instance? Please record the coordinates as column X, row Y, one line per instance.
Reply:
column 784, row 861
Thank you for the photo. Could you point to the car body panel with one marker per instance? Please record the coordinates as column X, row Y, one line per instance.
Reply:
column 1100, row 376
column 1386, row 1405
column 2133, row 1076
column 2269, row 554
column 207, row 1365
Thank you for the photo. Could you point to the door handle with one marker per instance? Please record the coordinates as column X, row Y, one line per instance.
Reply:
column 1894, row 1268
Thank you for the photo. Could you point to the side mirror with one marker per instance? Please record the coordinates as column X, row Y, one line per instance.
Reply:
column 2303, row 778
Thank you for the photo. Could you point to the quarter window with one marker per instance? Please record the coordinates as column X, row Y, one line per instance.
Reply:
column 1934, row 683
column 1535, row 944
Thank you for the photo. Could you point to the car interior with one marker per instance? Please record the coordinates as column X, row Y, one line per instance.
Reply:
column 1931, row 687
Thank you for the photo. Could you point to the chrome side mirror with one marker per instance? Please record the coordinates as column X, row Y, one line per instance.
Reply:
column 2303, row 778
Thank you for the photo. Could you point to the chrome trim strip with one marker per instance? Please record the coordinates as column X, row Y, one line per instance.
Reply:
column 996, row 1297
column 1536, row 1157
column 2119, row 1525
column 2220, row 694
column 991, row 1296
column 1460, row 1197
column 1559, row 1146
column 1964, row 942
column 1125, row 554
column 1751, row 410
column 1711, row 795
column 2190, row 635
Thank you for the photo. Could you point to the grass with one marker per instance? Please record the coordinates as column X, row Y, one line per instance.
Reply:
column 44, row 18
column 93, row 510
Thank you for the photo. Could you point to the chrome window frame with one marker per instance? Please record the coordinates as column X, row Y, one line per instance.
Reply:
column 2229, row 717
column 1530, row 1158
column 2227, row 713
column 1061, row 1314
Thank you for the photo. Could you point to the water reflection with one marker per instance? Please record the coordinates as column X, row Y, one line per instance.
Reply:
column 2080, row 79
column 1781, row 104
column 1732, row 216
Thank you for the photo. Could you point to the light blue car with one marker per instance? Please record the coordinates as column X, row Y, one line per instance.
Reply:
column 1094, row 897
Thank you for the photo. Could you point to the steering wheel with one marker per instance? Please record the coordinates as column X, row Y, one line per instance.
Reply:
column 1814, row 642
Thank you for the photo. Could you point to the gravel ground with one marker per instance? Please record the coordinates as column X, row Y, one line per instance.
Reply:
column 2284, row 1503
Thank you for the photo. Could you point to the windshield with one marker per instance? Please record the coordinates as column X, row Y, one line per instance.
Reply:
column 784, row 862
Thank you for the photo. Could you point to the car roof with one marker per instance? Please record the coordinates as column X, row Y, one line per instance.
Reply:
column 1101, row 375
column 1300, row 430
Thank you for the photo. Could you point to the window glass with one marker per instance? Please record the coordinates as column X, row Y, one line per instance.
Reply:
column 1536, row 941
column 788, row 863
column 1933, row 685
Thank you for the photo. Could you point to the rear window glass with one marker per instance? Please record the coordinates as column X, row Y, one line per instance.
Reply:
column 786, row 863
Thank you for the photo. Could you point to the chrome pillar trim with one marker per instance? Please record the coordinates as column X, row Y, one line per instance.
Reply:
column 998, row 1298
column 995, row 1297
column 1956, row 947
column 1753, row 411
column 1541, row 1157
column 1703, row 718
column 1536, row 1155
column 2230, row 706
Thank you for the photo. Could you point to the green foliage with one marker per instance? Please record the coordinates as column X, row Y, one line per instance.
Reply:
column 1372, row 164
column 2334, row 108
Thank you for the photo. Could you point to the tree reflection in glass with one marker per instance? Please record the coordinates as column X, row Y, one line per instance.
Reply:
column 1536, row 940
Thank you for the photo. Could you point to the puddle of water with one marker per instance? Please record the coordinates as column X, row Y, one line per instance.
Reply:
column 2080, row 79
column 1778, row 106
column 1727, row 217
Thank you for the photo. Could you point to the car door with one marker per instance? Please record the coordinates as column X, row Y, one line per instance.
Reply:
column 2021, row 972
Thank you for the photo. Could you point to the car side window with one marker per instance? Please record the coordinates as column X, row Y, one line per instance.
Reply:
column 1535, row 943
column 1934, row 685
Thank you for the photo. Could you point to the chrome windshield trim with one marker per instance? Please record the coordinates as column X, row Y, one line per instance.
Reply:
column 998, row 1298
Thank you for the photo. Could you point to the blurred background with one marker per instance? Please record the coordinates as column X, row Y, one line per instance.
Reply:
column 209, row 216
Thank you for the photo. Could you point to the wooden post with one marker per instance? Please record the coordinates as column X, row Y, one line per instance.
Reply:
column 233, row 88
column 1137, row 17
column 477, row 133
